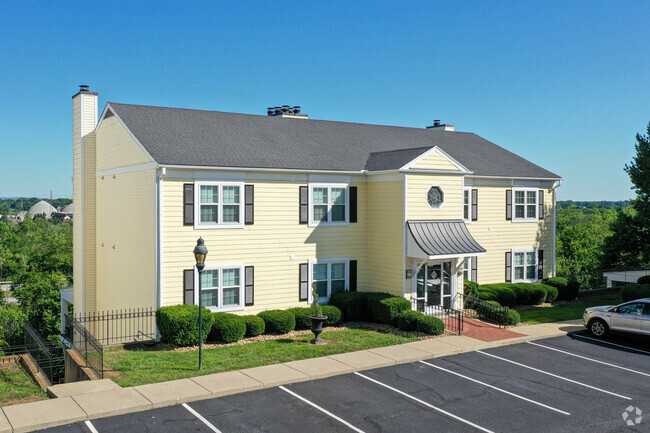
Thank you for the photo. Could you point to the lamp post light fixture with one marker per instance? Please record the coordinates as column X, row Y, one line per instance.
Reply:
column 200, row 252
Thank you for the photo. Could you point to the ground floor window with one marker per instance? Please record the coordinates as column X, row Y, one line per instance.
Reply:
column 524, row 265
column 222, row 287
column 330, row 276
column 467, row 269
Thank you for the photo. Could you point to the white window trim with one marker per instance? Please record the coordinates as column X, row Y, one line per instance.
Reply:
column 467, row 262
column 467, row 190
column 313, row 262
column 512, row 265
column 526, row 219
column 313, row 223
column 220, row 267
column 197, row 205
column 426, row 197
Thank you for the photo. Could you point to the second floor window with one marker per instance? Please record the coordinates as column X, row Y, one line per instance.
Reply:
column 219, row 205
column 329, row 204
column 525, row 204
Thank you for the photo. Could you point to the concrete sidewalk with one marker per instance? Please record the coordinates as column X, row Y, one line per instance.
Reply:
column 96, row 399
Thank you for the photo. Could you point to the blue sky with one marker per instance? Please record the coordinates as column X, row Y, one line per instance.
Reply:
column 564, row 84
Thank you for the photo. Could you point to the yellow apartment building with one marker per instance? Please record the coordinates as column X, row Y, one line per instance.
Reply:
column 283, row 201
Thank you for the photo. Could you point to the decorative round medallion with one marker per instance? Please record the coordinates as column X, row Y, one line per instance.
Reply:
column 435, row 197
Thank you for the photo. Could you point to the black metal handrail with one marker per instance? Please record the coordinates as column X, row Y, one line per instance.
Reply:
column 453, row 319
column 120, row 326
column 87, row 346
column 484, row 310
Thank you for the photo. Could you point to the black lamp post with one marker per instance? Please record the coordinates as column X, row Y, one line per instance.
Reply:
column 200, row 252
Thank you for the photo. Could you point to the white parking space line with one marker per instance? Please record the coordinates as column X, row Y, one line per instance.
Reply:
column 91, row 427
column 590, row 359
column 326, row 412
column 203, row 420
column 611, row 344
column 451, row 415
column 497, row 389
column 554, row 375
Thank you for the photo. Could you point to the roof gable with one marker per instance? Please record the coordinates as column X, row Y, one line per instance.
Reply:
column 435, row 159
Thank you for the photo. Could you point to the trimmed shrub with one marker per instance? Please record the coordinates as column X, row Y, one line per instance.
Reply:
column 567, row 290
column 301, row 313
column 179, row 324
column 501, row 293
column 509, row 316
column 333, row 314
column 353, row 305
column 513, row 317
column 643, row 280
column 630, row 292
column 551, row 292
column 430, row 325
column 254, row 325
column 386, row 310
column 470, row 288
column 278, row 321
column 227, row 328
column 407, row 320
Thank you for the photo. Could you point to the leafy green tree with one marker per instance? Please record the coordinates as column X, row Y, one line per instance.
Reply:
column 629, row 244
column 39, row 298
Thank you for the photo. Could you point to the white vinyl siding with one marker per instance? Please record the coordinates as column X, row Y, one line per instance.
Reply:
column 222, row 287
column 524, row 265
column 218, row 205
column 329, row 204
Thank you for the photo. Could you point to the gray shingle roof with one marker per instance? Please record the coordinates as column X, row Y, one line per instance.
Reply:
column 443, row 238
column 175, row 136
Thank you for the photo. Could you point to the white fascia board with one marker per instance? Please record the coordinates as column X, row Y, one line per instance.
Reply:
column 273, row 170
column 436, row 149
column 108, row 107
column 478, row 176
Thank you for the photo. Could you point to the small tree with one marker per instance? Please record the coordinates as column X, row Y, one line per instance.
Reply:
column 317, row 311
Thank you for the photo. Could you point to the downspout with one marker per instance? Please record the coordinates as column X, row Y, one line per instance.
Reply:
column 160, row 173
column 404, row 240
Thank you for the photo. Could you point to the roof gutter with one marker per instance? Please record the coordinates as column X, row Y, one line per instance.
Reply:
column 515, row 177
column 271, row 170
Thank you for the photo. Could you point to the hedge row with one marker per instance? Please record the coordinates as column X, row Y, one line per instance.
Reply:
column 567, row 290
column 511, row 294
column 370, row 307
column 509, row 316
column 630, row 292
column 409, row 320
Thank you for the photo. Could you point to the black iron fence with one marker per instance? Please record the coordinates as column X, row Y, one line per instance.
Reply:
column 484, row 310
column 23, row 339
column 453, row 319
column 119, row 326
column 87, row 346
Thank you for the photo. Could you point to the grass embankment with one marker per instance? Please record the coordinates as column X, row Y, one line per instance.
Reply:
column 570, row 311
column 17, row 387
column 133, row 367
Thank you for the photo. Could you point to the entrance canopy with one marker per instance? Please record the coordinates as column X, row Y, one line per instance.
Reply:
column 441, row 240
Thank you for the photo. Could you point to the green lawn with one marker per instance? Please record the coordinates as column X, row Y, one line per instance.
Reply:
column 17, row 387
column 570, row 311
column 150, row 365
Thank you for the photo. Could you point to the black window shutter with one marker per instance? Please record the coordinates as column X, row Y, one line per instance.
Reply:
column 541, row 204
column 474, row 204
column 353, row 275
column 353, row 204
column 509, row 204
column 188, row 204
column 249, row 278
column 188, row 287
column 304, row 282
column 474, row 269
column 249, row 203
column 540, row 265
column 508, row 267
column 304, row 205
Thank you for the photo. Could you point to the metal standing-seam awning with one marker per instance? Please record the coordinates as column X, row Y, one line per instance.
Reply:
column 441, row 240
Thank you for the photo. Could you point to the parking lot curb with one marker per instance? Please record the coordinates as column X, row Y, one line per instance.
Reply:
column 111, row 401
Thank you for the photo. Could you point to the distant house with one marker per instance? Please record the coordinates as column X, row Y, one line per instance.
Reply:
column 283, row 201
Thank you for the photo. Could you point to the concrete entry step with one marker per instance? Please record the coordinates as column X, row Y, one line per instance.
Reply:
column 83, row 387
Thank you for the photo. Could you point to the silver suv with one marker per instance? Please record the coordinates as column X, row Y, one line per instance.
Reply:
column 632, row 316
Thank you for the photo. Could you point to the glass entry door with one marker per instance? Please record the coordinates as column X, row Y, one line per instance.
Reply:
column 433, row 284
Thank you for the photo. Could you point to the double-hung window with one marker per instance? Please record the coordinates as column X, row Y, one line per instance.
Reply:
column 524, row 204
column 467, row 205
column 219, row 204
column 467, row 269
column 524, row 265
column 329, row 204
column 330, row 276
column 222, row 287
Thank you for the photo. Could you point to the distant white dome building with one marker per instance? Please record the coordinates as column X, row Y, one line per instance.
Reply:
column 68, row 210
column 42, row 207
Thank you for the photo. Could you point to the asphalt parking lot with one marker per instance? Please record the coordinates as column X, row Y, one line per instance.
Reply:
column 562, row 384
